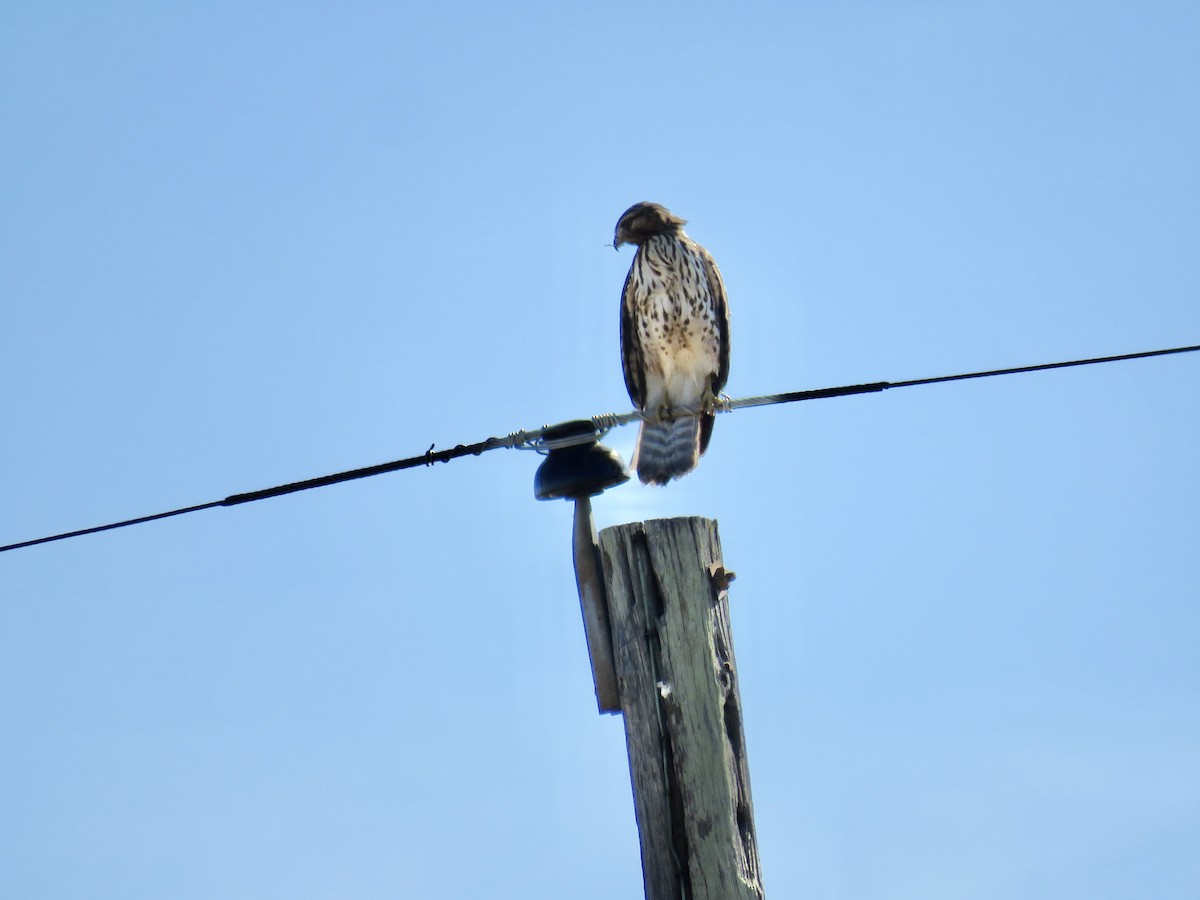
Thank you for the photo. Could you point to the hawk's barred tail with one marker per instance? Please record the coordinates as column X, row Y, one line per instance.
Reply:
column 667, row 450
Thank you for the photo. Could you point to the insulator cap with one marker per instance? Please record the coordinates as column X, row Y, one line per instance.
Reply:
column 577, row 464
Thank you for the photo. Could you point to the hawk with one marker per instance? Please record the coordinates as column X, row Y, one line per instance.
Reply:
column 674, row 339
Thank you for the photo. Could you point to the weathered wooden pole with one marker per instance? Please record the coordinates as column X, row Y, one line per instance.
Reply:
column 677, row 679
column 656, row 615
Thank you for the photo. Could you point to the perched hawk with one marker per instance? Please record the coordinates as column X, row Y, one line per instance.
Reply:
column 674, row 339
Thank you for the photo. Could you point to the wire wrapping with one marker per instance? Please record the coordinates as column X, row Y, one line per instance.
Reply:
column 602, row 424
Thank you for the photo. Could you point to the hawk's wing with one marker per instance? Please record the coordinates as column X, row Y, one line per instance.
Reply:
column 633, row 358
column 720, row 309
column 716, row 288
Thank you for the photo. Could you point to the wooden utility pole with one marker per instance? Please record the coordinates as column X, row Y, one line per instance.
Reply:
column 677, row 680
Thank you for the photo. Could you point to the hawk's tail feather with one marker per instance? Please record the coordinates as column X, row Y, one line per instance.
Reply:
column 667, row 449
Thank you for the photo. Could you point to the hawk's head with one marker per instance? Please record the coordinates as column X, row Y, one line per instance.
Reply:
column 644, row 220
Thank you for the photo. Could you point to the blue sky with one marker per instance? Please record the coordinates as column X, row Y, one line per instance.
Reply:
column 245, row 244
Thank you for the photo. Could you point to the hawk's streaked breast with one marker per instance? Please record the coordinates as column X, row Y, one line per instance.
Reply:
column 675, row 319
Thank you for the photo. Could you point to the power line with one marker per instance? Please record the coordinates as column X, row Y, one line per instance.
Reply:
column 876, row 386
column 426, row 459
column 601, row 424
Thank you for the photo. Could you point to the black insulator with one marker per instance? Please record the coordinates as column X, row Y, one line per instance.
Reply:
column 577, row 464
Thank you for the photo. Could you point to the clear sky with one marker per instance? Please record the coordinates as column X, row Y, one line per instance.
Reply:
column 243, row 244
